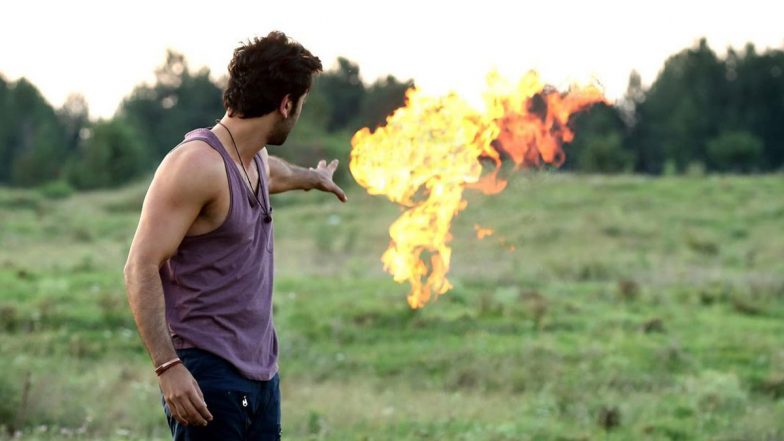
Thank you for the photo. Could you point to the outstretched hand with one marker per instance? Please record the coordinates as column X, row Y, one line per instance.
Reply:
column 324, row 180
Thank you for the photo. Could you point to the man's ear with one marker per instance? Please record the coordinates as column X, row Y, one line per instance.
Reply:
column 286, row 107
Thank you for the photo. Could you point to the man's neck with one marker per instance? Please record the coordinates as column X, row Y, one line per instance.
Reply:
column 249, row 136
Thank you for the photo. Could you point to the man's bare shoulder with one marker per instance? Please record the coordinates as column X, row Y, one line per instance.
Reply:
column 194, row 169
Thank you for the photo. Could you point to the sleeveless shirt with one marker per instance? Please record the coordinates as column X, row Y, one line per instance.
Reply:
column 218, row 286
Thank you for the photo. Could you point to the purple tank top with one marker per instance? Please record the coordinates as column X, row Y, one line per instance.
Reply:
column 218, row 286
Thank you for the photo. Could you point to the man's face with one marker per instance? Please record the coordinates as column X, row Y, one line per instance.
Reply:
column 285, row 125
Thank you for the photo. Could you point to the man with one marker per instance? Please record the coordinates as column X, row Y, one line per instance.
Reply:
column 199, row 270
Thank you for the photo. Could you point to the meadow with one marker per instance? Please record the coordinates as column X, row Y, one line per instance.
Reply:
column 603, row 308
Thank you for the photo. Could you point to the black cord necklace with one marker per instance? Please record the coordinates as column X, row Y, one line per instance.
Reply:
column 267, row 215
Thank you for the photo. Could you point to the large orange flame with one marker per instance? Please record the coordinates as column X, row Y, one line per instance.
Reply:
column 429, row 152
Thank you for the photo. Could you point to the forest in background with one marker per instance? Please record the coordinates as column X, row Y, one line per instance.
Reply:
column 705, row 112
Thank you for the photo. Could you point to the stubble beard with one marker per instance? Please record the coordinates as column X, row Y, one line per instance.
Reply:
column 281, row 131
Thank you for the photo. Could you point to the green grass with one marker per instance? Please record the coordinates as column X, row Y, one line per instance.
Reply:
column 631, row 308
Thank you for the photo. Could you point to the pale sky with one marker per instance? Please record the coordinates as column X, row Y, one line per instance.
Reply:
column 102, row 49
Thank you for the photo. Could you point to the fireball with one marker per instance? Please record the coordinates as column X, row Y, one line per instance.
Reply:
column 430, row 151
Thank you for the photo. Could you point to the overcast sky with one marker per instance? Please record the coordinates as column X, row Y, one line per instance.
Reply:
column 101, row 49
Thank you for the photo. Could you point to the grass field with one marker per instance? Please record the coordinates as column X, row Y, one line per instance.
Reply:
column 631, row 308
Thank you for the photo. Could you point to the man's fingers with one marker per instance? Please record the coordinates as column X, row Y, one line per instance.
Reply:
column 333, row 165
column 191, row 414
column 197, row 399
column 338, row 192
column 176, row 413
column 322, row 163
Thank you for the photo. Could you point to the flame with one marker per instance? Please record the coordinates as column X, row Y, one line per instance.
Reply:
column 532, row 122
column 429, row 152
column 482, row 232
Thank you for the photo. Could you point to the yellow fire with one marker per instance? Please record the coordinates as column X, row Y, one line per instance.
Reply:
column 429, row 152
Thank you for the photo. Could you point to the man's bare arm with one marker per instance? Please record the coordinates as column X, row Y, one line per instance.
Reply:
column 285, row 176
column 182, row 186
column 145, row 296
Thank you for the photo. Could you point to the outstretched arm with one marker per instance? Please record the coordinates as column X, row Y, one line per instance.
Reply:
column 285, row 177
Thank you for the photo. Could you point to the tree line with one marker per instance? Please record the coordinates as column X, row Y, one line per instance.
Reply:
column 703, row 112
column 39, row 144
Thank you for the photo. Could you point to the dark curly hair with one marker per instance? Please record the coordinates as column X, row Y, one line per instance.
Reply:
column 264, row 70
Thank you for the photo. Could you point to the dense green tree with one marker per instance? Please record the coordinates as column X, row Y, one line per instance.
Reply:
column 343, row 89
column 756, row 103
column 682, row 110
column 380, row 100
column 600, row 143
column 178, row 102
column 6, row 127
column 42, row 158
column 111, row 155
column 34, row 150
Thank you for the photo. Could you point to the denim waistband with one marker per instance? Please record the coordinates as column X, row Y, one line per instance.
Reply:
column 213, row 372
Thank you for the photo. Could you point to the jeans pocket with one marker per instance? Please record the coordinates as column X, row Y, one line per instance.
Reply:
column 230, row 408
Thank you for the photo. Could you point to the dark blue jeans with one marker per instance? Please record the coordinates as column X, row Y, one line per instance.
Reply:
column 242, row 409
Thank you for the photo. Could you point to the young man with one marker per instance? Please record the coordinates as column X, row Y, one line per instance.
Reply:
column 199, row 271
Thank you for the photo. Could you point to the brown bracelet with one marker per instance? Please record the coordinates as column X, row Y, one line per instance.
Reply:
column 165, row 366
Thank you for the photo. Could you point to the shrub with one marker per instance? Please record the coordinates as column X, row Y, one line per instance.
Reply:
column 735, row 152
column 59, row 189
column 605, row 154
column 112, row 155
